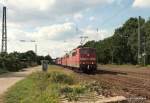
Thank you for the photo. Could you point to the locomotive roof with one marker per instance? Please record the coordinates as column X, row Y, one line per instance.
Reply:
column 75, row 49
column 85, row 48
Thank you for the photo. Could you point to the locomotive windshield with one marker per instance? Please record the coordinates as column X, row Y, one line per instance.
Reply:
column 87, row 51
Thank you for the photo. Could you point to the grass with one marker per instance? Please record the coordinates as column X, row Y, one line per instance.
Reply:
column 48, row 87
column 148, row 66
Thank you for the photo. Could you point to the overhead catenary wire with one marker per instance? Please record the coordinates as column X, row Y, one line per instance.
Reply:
column 124, row 9
column 112, row 18
column 107, row 21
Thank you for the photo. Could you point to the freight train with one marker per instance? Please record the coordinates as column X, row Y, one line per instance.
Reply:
column 83, row 59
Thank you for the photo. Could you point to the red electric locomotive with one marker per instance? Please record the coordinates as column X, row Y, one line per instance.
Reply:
column 82, row 58
column 58, row 61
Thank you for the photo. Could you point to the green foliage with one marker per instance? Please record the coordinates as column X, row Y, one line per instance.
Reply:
column 9, row 62
column 39, row 58
column 16, row 61
column 58, row 77
column 122, row 47
column 3, row 71
column 72, row 93
column 48, row 57
column 45, row 88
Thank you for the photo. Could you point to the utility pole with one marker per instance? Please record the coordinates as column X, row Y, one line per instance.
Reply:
column 4, row 32
column 98, row 36
column 36, row 49
column 144, row 50
column 139, row 41
column 97, row 30
column 112, row 59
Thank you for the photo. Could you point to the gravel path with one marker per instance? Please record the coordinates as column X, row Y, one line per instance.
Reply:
column 133, row 82
column 9, row 79
column 129, row 81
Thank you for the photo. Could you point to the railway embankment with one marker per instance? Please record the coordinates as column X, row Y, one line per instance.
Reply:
column 59, row 85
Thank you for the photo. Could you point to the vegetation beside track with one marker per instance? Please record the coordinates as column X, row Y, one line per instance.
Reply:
column 3, row 71
column 61, row 84
column 17, row 61
column 42, row 87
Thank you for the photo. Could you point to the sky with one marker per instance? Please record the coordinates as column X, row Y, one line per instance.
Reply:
column 56, row 25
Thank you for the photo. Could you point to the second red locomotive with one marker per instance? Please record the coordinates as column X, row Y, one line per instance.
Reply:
column 82, row 58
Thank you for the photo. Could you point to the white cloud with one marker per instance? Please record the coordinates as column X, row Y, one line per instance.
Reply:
column 141, row 3
column 50, row 22
column 56, row 31
column 92, row 18
column 78, row 16
column 94, row 35
column 30, row 4
column 50, row 39
column 40, row 12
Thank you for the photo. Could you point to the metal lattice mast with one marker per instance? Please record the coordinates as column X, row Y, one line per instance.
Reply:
column 4, row 32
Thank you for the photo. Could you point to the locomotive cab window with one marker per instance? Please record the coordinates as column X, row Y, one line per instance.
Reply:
column 87, row 51
column 74, row 53
column 67, row 56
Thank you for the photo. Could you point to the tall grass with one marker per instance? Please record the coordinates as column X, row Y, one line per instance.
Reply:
column 45, row 88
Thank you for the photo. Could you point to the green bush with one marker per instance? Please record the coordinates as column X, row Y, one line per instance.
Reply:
column 3, row 70
column 58, row 77
column 45, row 88
column 16, row 61
column 9, row 62
column 72, row 93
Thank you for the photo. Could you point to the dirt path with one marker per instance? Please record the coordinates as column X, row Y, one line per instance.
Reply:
column 9, row 79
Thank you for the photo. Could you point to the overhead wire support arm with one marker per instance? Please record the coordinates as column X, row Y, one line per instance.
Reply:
column 83, row 39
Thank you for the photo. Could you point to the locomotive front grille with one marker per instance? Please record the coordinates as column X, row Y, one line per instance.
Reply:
column 88, row 67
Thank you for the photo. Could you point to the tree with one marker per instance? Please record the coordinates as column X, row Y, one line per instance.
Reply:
column 48, row 57
column 122, row 47
column 147, row 35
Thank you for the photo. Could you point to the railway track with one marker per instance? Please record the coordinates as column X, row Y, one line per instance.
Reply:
column 131, row 86
column 127, row 83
